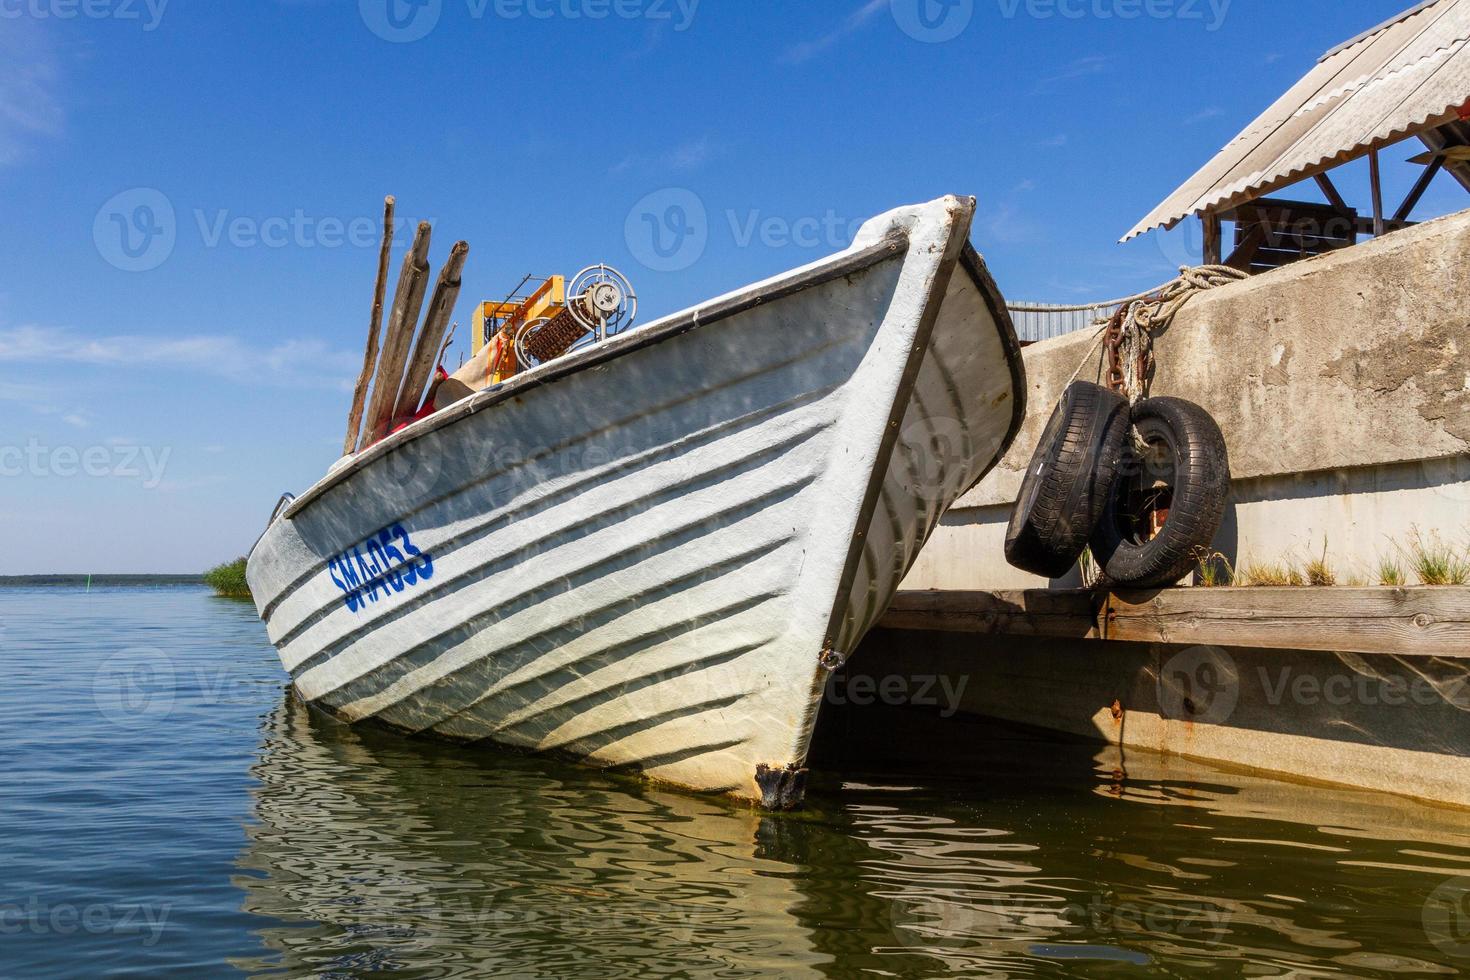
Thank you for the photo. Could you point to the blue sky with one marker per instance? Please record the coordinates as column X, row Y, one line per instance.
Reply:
column 160, row 391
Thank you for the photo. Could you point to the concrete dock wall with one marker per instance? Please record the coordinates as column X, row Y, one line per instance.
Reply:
column 1342, row 385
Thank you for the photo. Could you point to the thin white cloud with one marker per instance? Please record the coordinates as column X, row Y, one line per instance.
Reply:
column 1053, row 142
column 30, row 107
column 807, row 50
column 46, row 401
column 1092, row 64
column 691, row 155
column 653, row 40
column 687, row 156
column 292, row 364
column 191, row 484
column 1210, row 112
column 1007, row 224
column 25, row 393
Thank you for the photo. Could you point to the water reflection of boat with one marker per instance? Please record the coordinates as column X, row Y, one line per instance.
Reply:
column 373, row 853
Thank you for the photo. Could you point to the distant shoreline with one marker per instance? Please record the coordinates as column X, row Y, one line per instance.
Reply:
column 72, row 580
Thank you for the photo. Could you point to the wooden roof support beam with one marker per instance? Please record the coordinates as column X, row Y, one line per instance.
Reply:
column 1330, row 189
column 1456, row 133
column 1375, row 176
column 1212, row 248
column 1422, row 185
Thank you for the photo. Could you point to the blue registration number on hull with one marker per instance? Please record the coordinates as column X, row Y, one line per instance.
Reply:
column 386, row 564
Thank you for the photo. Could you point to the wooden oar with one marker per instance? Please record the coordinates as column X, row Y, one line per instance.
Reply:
column 426, row 351
column 408, row 302
column 370, row 359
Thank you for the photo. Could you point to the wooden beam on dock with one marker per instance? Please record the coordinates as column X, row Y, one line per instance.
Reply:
column 1070, row 615
column 1408, row 621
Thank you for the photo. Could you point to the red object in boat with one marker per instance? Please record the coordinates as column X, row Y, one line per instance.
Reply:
column 404, row 421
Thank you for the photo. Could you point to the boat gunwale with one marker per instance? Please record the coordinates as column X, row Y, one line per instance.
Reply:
column 844, row 264
column 974, row 263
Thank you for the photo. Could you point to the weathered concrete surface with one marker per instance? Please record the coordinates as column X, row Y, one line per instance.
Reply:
column 1357, row 515
column 1394, row 724
column 1341, row 384
column 1351, row 359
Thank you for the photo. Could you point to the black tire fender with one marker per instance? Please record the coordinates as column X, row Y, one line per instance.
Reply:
column 1190, row 463
column 1068, row 481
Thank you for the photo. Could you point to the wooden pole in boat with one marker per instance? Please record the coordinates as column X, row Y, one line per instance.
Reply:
column 408, row 301
column 431, row 393
column 425, row 353
column 375, row 325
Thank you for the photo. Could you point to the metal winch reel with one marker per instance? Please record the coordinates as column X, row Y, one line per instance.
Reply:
column 600, row 304
column 601, row 299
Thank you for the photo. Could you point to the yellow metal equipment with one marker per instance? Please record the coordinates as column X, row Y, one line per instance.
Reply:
column 548, row 299
column 544, row 318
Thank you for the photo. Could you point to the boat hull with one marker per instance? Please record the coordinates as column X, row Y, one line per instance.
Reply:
column 655, row 561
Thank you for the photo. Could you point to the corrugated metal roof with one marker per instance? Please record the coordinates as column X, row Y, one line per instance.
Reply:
column 1043, row 321
column 1404, row 76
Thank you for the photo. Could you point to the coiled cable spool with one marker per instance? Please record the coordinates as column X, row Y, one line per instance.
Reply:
column 548, row 338
column 600, row 304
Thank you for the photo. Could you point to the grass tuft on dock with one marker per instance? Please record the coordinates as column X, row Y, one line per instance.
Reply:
column 1391, row 571
column 1424, row 559
column 1319, row 571
column 1437, row 563
column 1271, row 575
column 1215, row 570
column 228, row 580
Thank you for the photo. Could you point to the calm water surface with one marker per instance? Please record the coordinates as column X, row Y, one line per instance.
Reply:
column 167, row 809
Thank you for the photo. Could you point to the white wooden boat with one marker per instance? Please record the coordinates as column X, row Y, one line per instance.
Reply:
column 653, row 552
